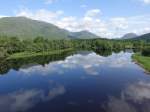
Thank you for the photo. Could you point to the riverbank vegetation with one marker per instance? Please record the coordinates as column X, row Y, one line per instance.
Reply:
column 14, row 47
column 143, row 58
column 144, row 61
column 35, row 54
column 17, row 63
column 146, row 51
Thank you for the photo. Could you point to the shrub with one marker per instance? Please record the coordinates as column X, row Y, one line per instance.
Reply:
column 146, row 51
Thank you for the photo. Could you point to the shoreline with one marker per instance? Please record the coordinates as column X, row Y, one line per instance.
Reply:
column 34, row 54
column 137, row 60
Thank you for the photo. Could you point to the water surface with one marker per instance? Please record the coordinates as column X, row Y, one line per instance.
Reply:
column 81, row 82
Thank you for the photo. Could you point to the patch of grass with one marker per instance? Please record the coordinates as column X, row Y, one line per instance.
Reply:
column 34, row 54
column 144, row 61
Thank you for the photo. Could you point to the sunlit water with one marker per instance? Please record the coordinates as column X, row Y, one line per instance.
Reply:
column 83, row 82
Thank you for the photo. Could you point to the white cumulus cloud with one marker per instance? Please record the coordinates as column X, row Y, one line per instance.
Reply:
column 92, row 21
column 146, row 1
column 93, row 13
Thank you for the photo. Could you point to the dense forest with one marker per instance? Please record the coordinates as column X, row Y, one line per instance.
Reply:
column 11, row 45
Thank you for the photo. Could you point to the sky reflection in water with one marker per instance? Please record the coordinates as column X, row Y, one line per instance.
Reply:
column 82, row 82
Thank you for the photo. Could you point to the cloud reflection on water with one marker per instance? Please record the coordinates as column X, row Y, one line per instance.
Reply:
column 90, row 63
column 135, row 98
column 22, row 100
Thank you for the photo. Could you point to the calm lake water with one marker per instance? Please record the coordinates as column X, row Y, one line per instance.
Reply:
column 81, row 82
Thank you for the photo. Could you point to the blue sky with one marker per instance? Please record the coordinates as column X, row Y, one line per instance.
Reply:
column 107, row 18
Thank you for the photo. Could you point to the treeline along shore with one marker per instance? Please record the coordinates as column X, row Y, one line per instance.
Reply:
column 13, row 47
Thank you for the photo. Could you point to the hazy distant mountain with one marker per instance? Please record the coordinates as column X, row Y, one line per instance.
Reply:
column 83, row 35
column 129, row 36
column 23, row 27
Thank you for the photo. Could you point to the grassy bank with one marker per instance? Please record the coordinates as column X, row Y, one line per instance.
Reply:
column 34, row 54
column 143, row 61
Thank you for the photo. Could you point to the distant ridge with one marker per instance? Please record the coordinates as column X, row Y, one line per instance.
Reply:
column 145, row 37
column 129, row 36
column 83, row 35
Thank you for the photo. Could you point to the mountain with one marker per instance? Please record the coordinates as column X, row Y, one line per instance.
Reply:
column 82, row 35
column 129, row 36
column 23, row 27
column 143, row 37
column 26, row 28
